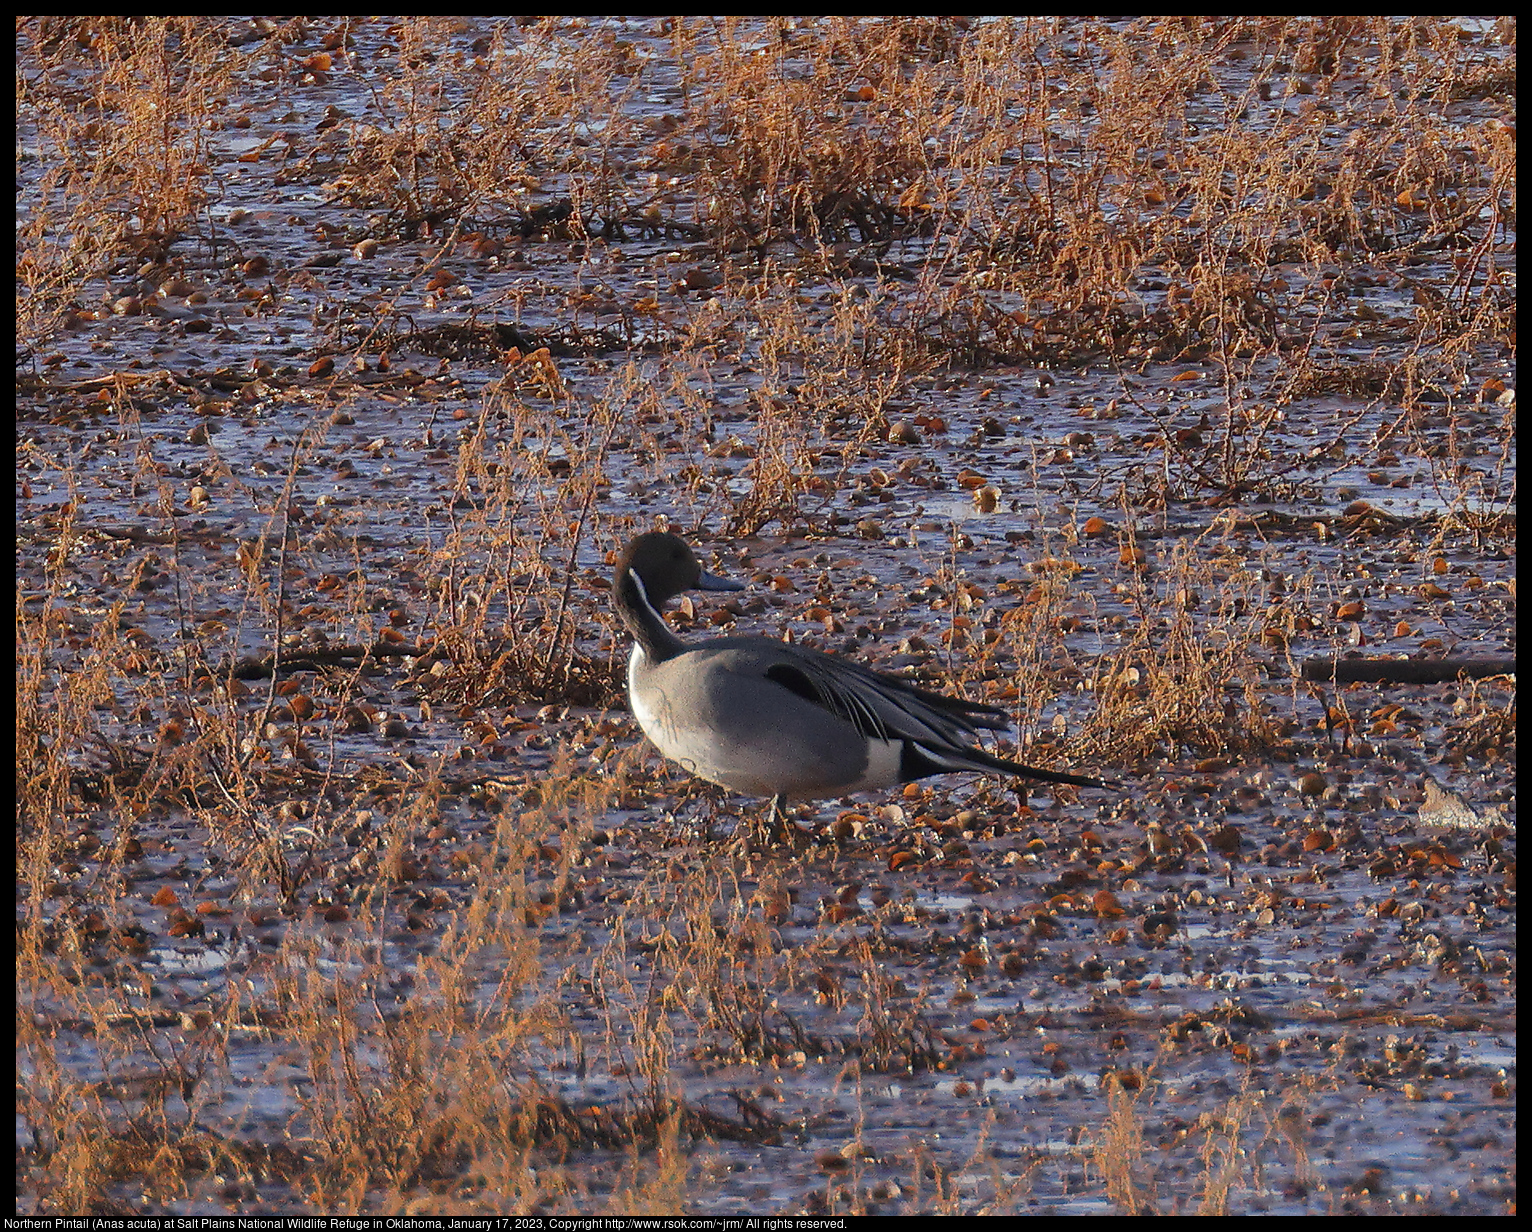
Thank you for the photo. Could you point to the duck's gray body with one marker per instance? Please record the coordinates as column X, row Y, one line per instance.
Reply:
column 716, row 711
column 767, row 718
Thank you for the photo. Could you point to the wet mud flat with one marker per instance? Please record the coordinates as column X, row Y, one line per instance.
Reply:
column 346, row 882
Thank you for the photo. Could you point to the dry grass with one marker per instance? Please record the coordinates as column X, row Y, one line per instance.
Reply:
column 124, row 161
column 859, row 209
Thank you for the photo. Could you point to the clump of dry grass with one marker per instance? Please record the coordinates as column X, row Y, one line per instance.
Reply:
column 1119, row 1152
column 1190, row 677
column 875, row 131
column 124, row 161
column 1184, row 636
column 447, row 147
column 511, row 614
column 1250, row 1129
column 410, row 1081
column 784, row 142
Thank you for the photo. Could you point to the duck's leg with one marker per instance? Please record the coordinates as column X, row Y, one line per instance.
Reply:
column 784, row 830
column 777, row 825
column 771, row 829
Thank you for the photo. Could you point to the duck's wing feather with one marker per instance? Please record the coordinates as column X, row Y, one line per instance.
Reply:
column 937, row 730
column 880, row 706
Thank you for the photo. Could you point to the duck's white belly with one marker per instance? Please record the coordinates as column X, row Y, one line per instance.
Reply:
column 693, row 748
column 652, row 715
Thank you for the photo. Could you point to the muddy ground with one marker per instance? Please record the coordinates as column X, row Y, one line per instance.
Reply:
column 345, row 880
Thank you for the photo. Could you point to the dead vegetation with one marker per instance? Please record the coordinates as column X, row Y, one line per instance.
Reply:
column 333, row 891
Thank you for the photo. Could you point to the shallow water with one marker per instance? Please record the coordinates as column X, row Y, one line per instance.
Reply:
column 1338, row 1012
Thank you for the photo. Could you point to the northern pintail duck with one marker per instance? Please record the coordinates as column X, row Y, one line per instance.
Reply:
column 768, row 718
